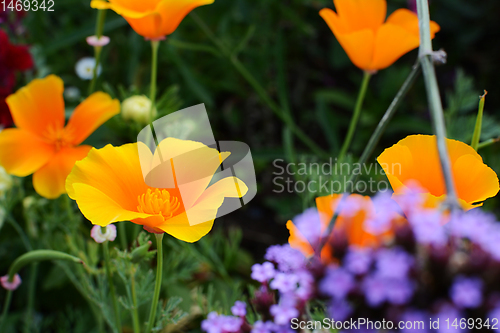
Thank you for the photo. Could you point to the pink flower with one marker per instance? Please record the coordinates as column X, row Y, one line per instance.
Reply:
column 94, row 41
column 10, row 285
column 100, row 237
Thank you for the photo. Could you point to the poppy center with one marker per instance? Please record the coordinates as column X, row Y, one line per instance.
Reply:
column 59, row 137
column 158, row 201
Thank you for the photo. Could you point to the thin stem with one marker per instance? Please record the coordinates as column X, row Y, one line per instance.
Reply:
column 488, row 143
column 159, row 271
column 101, row 18
column 31, row 297
column 382, row 125
column 434, row 100
column 152, row 94
column 107, row 262
column 10, row 219
column 6, row 307
column 123, row 235
column 135, row 312
column 355, row 116
column 259, row 89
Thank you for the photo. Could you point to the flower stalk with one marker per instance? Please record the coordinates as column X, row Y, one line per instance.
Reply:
column 155, row 44
column 101, row 18
column 159, row 271
column 479, row 123
column 434, row 100
column 112, row 291
column 355, row 116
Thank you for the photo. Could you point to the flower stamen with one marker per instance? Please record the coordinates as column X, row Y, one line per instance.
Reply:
column 158, row 202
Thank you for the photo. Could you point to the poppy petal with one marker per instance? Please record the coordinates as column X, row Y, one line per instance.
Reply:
column 99, row 208
column 361, row 14
column 49, row 181
column 298, row 241
column 114, row 171
column 89, row 115
column 180, row 228
column 392, row 42
column 39, row 106
column 409, row 21
column 174, row 11
column 22, row 153
column 131, row 9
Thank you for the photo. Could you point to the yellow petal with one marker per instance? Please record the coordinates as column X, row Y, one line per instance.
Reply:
column 114, row 171
column 39, row 106
column 22, row 153
column 50, row 180
column 130, row 9
column 99, row 208
column 179, row 227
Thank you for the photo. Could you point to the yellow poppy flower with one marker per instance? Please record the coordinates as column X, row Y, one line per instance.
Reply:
column 370, row 43
column 153, row 19
column 41, row 144
column 108, row 186
column 416, row 159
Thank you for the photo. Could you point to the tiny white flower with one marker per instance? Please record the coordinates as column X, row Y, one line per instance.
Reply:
column 98, row 42
column 138, row 109
column 100, row 237
column 85, row 68
column 72, row 94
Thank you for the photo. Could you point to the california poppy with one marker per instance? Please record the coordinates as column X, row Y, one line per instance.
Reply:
column 109, row 186
column 352, row 224
column 153, row 19
column 415, row 159
column 41, row 144
column 370, row 43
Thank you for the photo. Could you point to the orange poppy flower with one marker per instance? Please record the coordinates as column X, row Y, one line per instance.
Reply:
column 416, row 159
column 370, row 43
column 108, row 186
column 153, row 19
column 351, row 224
column 41, row 144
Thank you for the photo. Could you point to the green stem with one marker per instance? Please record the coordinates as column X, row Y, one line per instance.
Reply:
column 488, row 143
column 152, row 95
column 123, row 235
column 159, row 271
column 434, row 100
column 135, row 312
column 10, row 219
column 479, row 123
column 6, row 307
column 101, row 18
column 31, row 297
column 382, row 125
column 355, row 116
column 107, row 262
column 259, row 89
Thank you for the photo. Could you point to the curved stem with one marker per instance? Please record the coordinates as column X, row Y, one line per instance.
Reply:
column 6, row 307
column 355, row 116
column 159, row 271
column 101, row 17
column 111, row 285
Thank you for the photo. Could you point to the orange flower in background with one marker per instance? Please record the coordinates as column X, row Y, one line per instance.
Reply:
column 370, row 43
column 416, row 159
column 153, row 19
column 108, row 186
column 308, row 228
column 41, row 144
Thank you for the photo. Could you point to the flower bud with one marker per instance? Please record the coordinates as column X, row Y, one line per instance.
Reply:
column 138, row 109
column 10, row 285
column 99, row 236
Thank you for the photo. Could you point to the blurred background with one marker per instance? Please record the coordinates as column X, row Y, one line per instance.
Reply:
column 218, row 56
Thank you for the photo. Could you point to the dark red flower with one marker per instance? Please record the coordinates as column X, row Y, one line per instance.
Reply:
column 13, row 58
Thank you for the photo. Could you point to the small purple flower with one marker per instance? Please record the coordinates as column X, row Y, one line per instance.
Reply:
column 285, row 257
column 494, row 314
column 239, row 309
column 417, row 321
column 306, row 285
column 357, row 260
column 282, row 314
column 399, row 291
column 393, row 263
column 340, row 309
column 375, row 290
column 386, row 210
column 284, row 282
column 221, row 324
column 264, row 272
column 467, row 292
column 448, row 312
column 309, row 225
column 350, row 206
column 427, row 227
column 411, row 199
column 263, row 327
column 337, row 282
